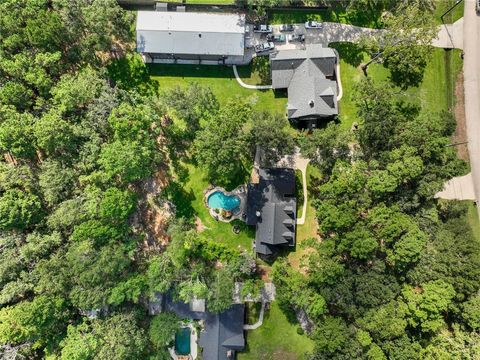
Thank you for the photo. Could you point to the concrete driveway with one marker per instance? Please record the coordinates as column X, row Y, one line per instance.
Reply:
column 471, row 72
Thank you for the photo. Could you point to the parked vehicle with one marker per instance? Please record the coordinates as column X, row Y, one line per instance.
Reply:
column 262, row 28
column 477, row 6
column 313, row 25
column 267, row 46
column 276, row 37
column 289, row 27
column 296, row 37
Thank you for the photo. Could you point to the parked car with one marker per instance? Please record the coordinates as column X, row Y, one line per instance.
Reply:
column 276, row 37
column 289, row 27
column 296, row 37
column 477, row 6
column 262, row 28
column 313, row 25
column 267, row 46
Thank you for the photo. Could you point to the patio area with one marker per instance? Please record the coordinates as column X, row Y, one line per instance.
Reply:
column 225, row 205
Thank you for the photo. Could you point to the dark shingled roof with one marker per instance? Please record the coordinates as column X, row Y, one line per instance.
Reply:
column 273, row 199
column 304, row 73
column 182, row 309
column 223, row 334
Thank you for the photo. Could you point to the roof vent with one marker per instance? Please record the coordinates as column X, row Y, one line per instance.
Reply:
column 311, row 103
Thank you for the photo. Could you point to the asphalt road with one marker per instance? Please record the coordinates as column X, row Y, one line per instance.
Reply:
column 471, row 71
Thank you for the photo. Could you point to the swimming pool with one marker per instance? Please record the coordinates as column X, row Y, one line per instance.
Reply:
column 182, row 341
column 218, row 200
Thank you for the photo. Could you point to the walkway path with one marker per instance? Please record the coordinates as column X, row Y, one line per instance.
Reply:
column 247, row 86
column 297, row 162
column 458, row 188
column 259, row 322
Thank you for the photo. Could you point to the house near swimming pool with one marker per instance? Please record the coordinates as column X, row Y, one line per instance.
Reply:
column 222, row 335
column 272, row 208
column 186, row 37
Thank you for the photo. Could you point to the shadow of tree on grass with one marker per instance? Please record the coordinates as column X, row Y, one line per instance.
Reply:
column 131, row 73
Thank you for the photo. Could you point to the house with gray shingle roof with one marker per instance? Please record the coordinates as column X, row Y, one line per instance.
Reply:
column 222, row 334
column 271, row 208
column 309, row 77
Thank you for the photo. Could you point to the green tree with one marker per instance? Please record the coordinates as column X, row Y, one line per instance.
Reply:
column 385, row 322
column 126, row 161
column 221, row 291
column 427, row 305
column 405, row 45
column 192, row 104
column 117, row 205
column 162, row 329
column 471, row 312
column 94, row 272
column 19, row 210
column 16, row 133
column 80, row 343
column 54, row 135
column 40, row 321
column 56, row 181
column 271, row 133
column 120, row 338
column 330, row 335
column 220, row 146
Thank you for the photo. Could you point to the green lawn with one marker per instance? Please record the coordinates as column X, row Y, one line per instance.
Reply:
column 435, row 92
column 350, row 58
column 276, row 339
column 336, row 13
column 473, row 220
column 309, row 229
column 222, row 82
column 452, row 16
column 187, row 193
column 257, row 73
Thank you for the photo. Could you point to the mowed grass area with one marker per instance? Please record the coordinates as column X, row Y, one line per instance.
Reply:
column 473, row 220
column 222, row 82
column 435, row 93
column 370, row 17
column 336, row 13
column 187, row 193
column 310, row 228
column 443, row 5
column 276, row 339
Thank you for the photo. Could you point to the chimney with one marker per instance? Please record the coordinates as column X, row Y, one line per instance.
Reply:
column 311, row 103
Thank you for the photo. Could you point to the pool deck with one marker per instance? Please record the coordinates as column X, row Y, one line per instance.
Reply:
column 240, row 191
column 193, row 346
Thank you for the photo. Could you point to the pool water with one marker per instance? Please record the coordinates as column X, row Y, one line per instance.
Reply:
column 182, row 341
column 218, row 200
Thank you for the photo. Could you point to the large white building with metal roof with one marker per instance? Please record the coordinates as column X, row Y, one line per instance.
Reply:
column 177, row 36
